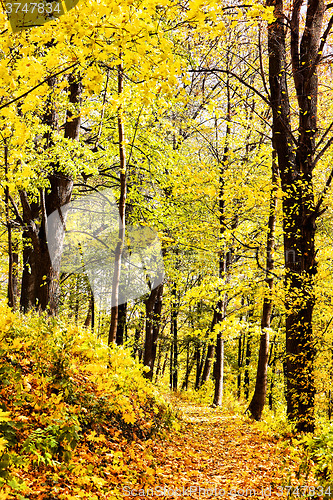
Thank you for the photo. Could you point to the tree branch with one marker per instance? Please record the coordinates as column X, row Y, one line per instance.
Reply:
column 38, row 85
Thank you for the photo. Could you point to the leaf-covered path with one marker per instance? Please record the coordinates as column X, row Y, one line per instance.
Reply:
column 217, row 455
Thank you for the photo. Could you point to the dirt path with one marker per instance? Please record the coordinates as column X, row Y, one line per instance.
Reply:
column 217, row 455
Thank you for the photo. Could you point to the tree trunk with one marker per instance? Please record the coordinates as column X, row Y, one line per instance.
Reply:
column 185, row 382
column 153, row 305
column 272, row 357
column 248, row 354
column 240, row 364
column 299, row 211
column 225, row 257
column 175, row 353
column 122, row 205
column 208, row 363
column 159, row 360
column 40, row 279
column 199, row 364
column 90, row 319
column 189, row 367
column 164, row 364
column 157, row 320
column 171, row 366
column 219, row 368
column 240, row 357
column 28, row 283
column 210, row 354
column 11, row 295
column 259, row 397
column 121, row 325
column 137, row 335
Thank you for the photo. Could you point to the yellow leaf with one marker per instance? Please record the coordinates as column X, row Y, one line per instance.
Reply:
column 129, row 418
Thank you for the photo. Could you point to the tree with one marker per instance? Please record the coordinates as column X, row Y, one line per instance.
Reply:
column 259, row 397
column 296, row 160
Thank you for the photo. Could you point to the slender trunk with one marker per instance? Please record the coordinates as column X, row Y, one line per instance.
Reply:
column 28, row 283
column 208, row 363
column 137, row 335
column 153, row 305
column 15, row 260
column 174, row 331
column 122, row 205
column 90, row 319
column 240, row 357
column 247, row 364
column 202, row 357
column 210, row 354
column 198, row 364
column 259, row 397
column 164, row 364
column 158, row 366
column 218, row 371
column 157, row 321
column 175, row 353
column 185, row 382
column 271, row 387
column 239, row 362
column 225, row 257
column 121, row 325
column 189, row 367
column 11, row 297
column 171, row 366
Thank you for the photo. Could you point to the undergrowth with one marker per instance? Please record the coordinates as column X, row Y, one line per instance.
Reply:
column 75, row 415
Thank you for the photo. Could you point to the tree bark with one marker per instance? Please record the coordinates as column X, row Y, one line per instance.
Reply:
column 219, row 369
column 40, row 278
column 153, row 308
column 299, row 211
column 209, row 355
column 137, row 335
column 248, row 354
column 225, row 258
column 240, row 364
column 199, row 364
column 122, row 205
column 208, row 363
column 259, row 397
column 11, row 295
column 121, row 325
column 171, row 366
column 90, row 319
column 272, row 362
column 175, row 353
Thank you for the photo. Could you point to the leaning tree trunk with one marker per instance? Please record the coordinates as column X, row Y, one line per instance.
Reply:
column 299, row 211
column 259, row 397
column 208, row 363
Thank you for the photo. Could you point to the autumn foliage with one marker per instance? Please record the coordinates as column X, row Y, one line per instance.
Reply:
column 73, row 411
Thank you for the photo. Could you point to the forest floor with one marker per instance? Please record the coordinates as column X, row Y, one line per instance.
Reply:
column 221, row 455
